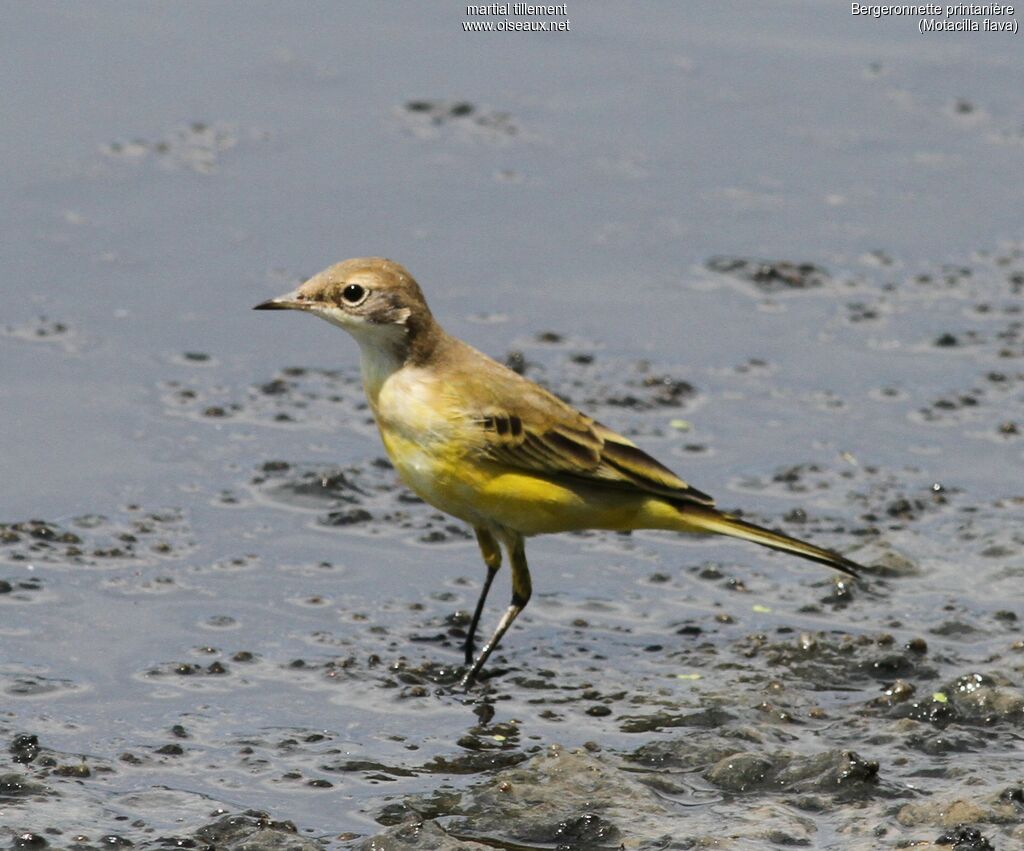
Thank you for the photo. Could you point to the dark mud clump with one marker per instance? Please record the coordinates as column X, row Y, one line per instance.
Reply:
column 253, row 830
column 771, row 276
column 134, row 534
column 833, row 771
column 44, row 330
column 467, row 121
column 971, row 699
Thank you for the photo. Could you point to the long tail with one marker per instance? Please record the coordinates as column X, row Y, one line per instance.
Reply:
column 710, row 520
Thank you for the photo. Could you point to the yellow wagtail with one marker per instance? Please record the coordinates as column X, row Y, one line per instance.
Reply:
column 486, row 445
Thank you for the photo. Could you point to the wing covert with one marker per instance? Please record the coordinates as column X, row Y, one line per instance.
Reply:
column 579, row 448
column 511, row 420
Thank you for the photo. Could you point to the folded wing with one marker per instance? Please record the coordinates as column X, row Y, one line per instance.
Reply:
column 522, row 425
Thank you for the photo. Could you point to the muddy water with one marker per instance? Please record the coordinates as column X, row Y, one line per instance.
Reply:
column 780, row 248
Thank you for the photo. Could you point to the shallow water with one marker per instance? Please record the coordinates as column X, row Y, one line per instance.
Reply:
column 780, row 247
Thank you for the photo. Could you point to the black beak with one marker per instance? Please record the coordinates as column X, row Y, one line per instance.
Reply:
column 288, row 301
column 272, row 304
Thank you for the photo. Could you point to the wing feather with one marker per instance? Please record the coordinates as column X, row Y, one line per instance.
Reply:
column 516, row 422
column 580, row 449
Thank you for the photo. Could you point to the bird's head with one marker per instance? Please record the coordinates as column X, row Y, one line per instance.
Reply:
column 376, row 300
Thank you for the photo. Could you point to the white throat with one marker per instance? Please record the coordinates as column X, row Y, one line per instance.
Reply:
column 380, row 348
column 377, row 363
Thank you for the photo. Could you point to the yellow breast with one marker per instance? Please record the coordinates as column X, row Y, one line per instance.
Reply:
column 423, row 433
column 437, row 450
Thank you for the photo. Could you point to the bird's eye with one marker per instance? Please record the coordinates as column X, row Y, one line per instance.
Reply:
column 353, row 293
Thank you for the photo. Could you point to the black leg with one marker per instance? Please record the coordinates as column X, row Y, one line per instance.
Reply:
column 521, row 591
column 470, row 644
column 492, row 558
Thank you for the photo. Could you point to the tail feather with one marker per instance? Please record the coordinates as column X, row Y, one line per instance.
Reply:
column 710, row 520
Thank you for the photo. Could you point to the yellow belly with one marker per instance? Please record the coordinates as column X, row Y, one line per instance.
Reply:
column 487, row 494
column 435, row 454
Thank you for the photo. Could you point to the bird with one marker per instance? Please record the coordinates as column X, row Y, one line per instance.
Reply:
column 496, row 450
